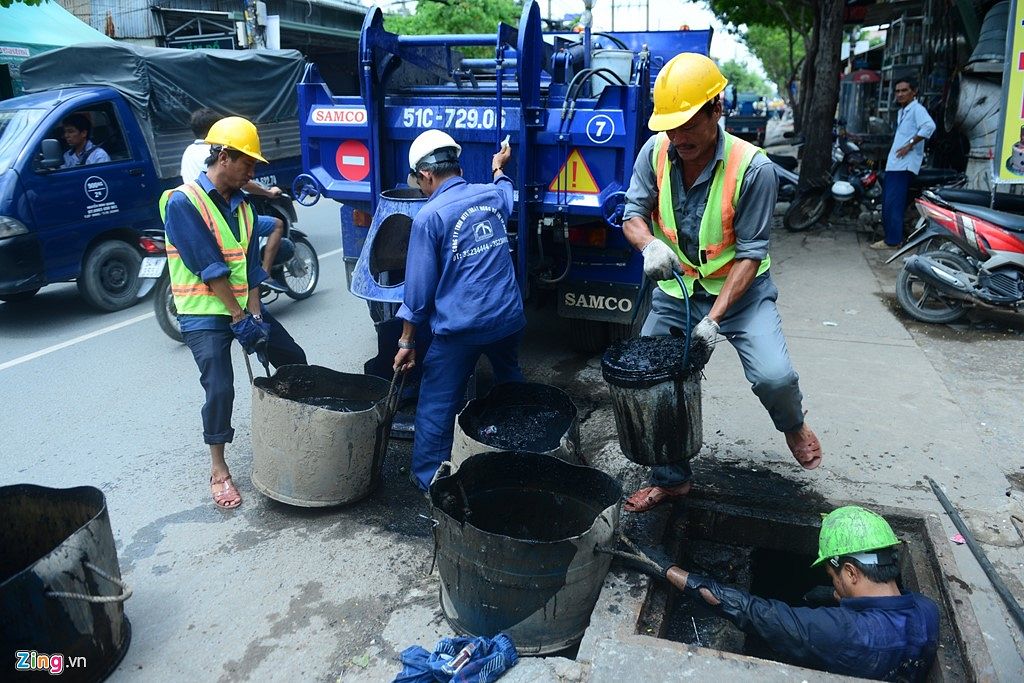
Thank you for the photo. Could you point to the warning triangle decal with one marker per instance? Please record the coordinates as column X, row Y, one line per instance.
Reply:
column 575, row 176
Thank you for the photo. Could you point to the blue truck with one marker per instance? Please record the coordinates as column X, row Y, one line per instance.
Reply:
column 83, row 223
column 575, row 107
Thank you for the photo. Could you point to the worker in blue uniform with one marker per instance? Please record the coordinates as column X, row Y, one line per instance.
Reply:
column 874, row 631
column 461, row 281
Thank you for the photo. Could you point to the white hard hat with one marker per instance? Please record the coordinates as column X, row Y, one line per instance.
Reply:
column 427, row 144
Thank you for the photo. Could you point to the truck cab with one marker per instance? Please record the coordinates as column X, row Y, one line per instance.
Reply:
column 64, row 218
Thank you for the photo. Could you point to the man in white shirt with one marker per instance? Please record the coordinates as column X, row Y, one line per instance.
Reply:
column 913, row 127
column 193, row 162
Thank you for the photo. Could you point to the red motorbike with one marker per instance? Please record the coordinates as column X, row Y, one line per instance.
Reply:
column 967, row 255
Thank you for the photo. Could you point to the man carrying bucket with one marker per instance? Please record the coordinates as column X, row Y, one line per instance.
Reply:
column 214, row 266
column 708, row 197
column 868, row 629
column 461, row 282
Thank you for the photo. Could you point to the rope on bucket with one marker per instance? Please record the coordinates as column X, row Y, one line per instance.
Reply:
column 126, row 592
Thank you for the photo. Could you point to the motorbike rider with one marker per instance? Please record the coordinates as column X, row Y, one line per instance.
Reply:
column 464, row 286
column 215, row 274
column 708, row 197
column 193, row 162
column 875, row 631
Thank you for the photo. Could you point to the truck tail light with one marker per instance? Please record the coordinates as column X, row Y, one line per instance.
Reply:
column 588, row 237
column 361, row 219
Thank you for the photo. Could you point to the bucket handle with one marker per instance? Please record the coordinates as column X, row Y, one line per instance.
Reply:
column 126, row 592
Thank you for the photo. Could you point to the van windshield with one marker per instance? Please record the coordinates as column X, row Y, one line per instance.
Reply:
column 16, row 125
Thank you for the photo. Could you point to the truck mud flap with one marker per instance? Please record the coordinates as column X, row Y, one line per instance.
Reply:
column 603, row 301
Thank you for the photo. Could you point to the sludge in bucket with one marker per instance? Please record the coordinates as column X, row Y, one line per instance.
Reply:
column 518, row 416
column 656, row 399
column 318, row 435
column 515, row 536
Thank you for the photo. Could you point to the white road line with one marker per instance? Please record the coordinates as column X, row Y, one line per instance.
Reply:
column 86, row 337
column 76, row 340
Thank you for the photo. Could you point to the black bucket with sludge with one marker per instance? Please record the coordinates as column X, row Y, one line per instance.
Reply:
column 318, row 435
column 60, row 581
column 656, row 399
column 514, row 542
column 518, row 416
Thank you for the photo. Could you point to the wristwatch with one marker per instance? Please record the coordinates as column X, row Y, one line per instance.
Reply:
column 402, row 344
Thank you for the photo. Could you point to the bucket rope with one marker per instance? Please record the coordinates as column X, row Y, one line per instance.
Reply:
column 126, row 592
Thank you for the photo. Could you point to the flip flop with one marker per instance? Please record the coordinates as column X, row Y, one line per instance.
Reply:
column 805, row 447
column 225, row 495
column 646, row 499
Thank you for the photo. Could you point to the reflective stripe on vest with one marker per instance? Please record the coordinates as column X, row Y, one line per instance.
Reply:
column 192, row 296
column 717, row 240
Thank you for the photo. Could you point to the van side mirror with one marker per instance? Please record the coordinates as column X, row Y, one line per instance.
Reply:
column 51, row 156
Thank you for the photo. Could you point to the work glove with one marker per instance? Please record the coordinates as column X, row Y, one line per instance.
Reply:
column 250, row 332
column 702, row 339
column 659, row 261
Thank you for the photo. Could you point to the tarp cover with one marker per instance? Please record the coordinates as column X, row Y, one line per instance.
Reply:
column 165, row 85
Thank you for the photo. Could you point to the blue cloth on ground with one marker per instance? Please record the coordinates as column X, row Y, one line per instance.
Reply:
column 492, row 657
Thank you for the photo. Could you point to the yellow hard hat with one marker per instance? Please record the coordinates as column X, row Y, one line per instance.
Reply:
column 685, row 84
column 237, row 133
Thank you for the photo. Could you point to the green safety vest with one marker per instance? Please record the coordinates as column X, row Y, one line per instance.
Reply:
column 192, row 296
column 717, row 241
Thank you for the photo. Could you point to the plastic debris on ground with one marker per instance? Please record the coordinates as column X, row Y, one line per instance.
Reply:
column 958, row 539
column 458, row 660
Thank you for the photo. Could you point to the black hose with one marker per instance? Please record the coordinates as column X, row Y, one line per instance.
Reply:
column 993, row 576
column 611, row 38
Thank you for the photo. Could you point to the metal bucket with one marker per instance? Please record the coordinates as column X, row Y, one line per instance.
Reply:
column 514, row 542
column 60, row 583
column 379, row 274
column 518, row 416
column 314, row 456
column 656, row 400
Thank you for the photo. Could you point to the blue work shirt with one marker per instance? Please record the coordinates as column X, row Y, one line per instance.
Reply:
column 884, row 638
column 459, row 272
column 911, row 120
column 200, row 252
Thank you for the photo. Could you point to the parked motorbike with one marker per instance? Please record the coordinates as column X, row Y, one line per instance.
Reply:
column 854, row 189
column 967, row 255
column 295, row 272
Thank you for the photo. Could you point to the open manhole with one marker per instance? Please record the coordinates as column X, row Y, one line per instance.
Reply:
column 768, row 551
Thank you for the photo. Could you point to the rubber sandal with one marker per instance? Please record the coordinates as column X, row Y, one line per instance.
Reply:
column 646, row 499
column 225, row 495
column 805, row 447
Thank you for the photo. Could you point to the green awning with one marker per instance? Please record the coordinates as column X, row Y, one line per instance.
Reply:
column 46, row 24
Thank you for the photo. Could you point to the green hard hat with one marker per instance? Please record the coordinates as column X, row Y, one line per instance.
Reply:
column 850, row 530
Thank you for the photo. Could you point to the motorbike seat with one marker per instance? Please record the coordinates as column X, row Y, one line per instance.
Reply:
column 1004, row 202
column 1010, row 221
column 786, row 162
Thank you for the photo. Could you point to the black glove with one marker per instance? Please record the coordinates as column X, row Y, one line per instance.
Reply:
column 250, row 332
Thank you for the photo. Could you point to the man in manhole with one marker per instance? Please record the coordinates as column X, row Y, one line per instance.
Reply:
column 708, row 197
column 875, row 631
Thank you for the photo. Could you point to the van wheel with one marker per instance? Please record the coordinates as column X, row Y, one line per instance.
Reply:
column 109, row 279
column 19, row 296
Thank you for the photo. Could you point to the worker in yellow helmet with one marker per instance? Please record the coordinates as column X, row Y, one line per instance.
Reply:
column 213, row 260
column 700, row 205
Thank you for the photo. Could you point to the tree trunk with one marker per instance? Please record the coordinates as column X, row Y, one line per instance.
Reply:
column 822, row 95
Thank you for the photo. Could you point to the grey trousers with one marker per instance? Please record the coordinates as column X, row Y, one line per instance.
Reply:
column 754, row 328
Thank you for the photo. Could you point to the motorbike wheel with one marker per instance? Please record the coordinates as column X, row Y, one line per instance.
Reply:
column 925, row 303
column 302, row 272
column 807, row 209
column 166, row 313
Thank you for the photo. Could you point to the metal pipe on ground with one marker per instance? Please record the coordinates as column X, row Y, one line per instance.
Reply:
column 997, row 582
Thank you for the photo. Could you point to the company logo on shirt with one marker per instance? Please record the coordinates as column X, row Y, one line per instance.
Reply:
column 483, row 231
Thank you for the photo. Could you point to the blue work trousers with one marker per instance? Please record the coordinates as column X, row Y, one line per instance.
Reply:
column 894, row 204
column 446, row 371
column 754, row 328
column 212, row 352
